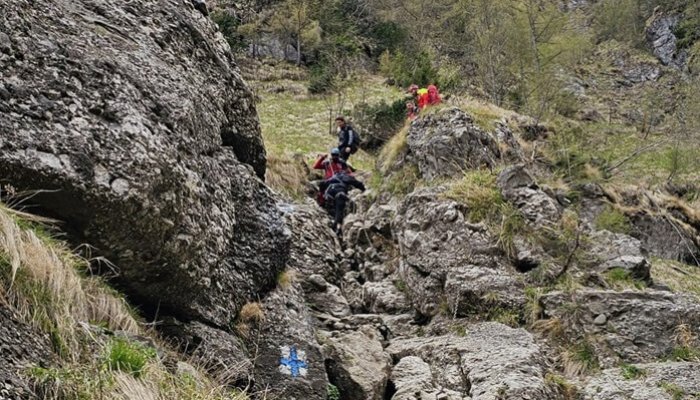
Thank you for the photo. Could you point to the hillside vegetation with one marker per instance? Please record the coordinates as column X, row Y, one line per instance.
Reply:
column 584, row 70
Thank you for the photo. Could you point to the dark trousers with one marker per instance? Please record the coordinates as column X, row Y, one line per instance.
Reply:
column 341, row 200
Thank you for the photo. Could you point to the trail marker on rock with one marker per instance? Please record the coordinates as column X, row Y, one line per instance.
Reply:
column 293, row 362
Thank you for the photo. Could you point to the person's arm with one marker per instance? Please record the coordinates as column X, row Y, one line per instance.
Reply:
column 319, row 162
column 343, row 140
column 357, row 184
column 351, row 136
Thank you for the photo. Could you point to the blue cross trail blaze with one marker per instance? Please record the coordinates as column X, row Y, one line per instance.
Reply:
column 293, row 362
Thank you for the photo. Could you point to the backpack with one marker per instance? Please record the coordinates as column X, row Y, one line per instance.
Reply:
column 356, row 141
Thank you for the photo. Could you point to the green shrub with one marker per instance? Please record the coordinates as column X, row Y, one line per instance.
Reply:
column 379, row 122
column 688, row 30
column 685, row 353
column 123, row 355
column 332, row 392
column 406, row 70
column 631, row 372
column 580, row 358
column 621, row 278
column 676, row 392
column 321, row 79
column 613, row 220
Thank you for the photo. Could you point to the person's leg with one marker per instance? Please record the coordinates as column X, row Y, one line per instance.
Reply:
column 340, row 200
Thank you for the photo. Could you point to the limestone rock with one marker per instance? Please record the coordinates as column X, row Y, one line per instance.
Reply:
column 639, row 327
column 616, row 250
column 413, row 380
column 443, row 256
column 663, row 238
column 660, row 36
column 20, row 347
column 133, row 119
column 447, row 142
column 491, row 361
column 384, row 297
column 518, row 187
column 314, row 248
column 662, row 381
column 357, row 364
column 288, row 360
column 325, row 297
column 217, row 349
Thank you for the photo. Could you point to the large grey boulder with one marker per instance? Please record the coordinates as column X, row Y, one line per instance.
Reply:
column 658, row 381
column 627, row 326
column 314, row 258
column 448, row 261
column 445, row 143
column 21, row 347
column 357, row 364
column 490, row 361
column 133, row 122
column 384, row 297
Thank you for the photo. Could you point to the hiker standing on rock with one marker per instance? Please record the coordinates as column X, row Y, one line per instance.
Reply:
column 348, row 139
column 336, row 191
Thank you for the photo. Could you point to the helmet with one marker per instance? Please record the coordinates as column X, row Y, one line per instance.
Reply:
column 335, row 151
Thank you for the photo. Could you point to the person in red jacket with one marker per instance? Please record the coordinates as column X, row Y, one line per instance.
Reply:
column 433, row 95
column 332, row 166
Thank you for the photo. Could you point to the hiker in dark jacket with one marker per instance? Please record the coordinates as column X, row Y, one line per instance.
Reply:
column 348, row 139
column 335, row 191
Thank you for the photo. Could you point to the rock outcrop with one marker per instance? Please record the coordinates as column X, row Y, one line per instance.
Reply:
column 662, row 40
column 662, row 381
column 445, row 143
column 133, row 123
column 447, row 261
column 357, row 364
column 489, row 361
column 518, row 187
column 627, row 326
column 20, row 347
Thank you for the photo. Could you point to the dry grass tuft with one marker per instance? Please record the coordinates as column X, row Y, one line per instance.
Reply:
column 251, row 312
column 287, row 175
column 677, row 276
column 393, row 149
column 553, row 328
column 286, row 278
column 44, row 286
column 579, row 359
